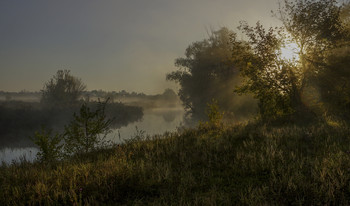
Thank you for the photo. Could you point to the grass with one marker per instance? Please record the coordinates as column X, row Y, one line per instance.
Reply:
column 250, row 164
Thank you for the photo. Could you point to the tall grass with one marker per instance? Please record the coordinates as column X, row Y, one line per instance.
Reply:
column 250, row 164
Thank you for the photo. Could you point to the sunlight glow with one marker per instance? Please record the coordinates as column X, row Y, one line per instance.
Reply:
column 290, row 52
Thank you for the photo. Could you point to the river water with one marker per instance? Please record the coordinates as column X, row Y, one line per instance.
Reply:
column 154, row 121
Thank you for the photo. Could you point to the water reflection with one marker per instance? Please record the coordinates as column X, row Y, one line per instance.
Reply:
column 154, row 121
column 9, row 155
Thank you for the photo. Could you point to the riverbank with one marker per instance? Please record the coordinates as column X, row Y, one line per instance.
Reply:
column 251, row 164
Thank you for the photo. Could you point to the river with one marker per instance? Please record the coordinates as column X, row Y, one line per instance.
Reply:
column 154, row 121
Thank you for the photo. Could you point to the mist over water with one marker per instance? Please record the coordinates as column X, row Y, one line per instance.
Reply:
column 9, row 155
column 154, row 121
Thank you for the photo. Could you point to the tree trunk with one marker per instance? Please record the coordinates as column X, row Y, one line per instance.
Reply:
column 302, row 112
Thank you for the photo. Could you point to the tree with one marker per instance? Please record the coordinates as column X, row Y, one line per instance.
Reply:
column 267, row 76
column 321, row 29
column 280, row 85
column 207, row 72
column 169, row 94
column 62, row 89
column 334, row 79
column 312, row 24
column 345, row 17
column 334, row 82
column 87, row 131
column 49, row 146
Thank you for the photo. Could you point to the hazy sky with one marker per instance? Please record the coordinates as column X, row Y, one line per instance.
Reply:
column 110, row 44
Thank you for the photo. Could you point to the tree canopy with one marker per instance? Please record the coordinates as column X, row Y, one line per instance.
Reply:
column 208, row 72
column 316, row 83
column 283, row 86
column 62, row 89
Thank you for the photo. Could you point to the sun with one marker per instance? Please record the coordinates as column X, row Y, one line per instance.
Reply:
column 290, row 52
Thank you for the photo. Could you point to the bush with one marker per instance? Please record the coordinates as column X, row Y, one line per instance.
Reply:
column 214, row 115
column 87, row 131
column 49, row 146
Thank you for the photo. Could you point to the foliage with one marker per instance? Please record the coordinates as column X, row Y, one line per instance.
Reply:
column 318, row 28
column 87, row 131
column 19, row 120
column 345, row 17
column 334, row 77
column 138, row 136
column 334, row 82
column 49, row 146
column 268, row 77
column 169, row 94
column 62, row 90
column 81, row 135
column 214, row 115
column 250, row 164
column 282, row 86
column 312, row 24
column 208, row 72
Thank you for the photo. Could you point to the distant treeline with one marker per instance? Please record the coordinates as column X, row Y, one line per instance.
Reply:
column 167, row 99
column 19, row 120
column 20, row 96
column 24, row 113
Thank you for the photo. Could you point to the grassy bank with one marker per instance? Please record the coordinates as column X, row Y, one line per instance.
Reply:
column 246, row 164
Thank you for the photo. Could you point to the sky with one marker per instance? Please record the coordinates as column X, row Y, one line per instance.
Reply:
column 111, row 45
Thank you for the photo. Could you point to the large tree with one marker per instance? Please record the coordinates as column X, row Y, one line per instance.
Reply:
column 267, row 75
column 281, row 86
column 334, row 78
column 284, row 88
column 62, row 89
column 321, row 30
column 208, row 72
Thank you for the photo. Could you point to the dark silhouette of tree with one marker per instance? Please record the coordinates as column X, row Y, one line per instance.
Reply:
column 320, row 28
column 87, row 131
column 208, row 72
column 334, row 77
column 284, row 88
column 169, row 95
column 49, row 145
column 345, row 16
column 268, row 77
column 62, row 89
column 316, row 26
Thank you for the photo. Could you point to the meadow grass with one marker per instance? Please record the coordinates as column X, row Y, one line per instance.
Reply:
column 247, row 164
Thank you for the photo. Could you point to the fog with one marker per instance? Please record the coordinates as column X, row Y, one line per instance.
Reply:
column 155, row 121
column 111, row 44
column 160, row 113
column 12, row 155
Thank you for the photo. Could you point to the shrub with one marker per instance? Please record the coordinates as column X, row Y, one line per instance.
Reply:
column 49, row 146
column 213, row 114
column 87, row 130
